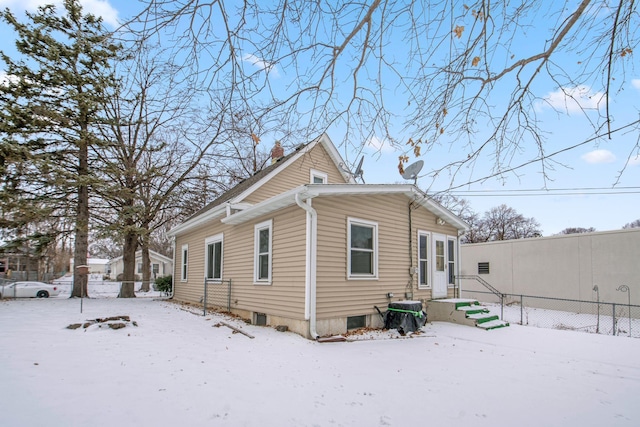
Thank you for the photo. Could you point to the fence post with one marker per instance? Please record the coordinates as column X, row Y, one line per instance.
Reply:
column 501, row 306
column 521, row 310
column 598, row 321
column 614, row 319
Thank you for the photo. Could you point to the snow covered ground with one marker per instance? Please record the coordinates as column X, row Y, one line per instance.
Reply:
column 177, row 367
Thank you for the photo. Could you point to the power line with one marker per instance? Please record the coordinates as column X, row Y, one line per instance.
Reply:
column 539, row 159
column 548, row 192
column 515, row 194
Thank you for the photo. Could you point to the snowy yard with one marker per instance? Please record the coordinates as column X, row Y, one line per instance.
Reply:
column 177, row 368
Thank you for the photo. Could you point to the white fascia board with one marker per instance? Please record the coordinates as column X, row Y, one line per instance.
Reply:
column 409, row 190
column 240, row 206
column 314, row 190
column 336, row 157
column 309, row 191
column 159, row 256
column 326, row 143
column 218, row 211
column 424, row 200
column 359, row 189
column 266, row 206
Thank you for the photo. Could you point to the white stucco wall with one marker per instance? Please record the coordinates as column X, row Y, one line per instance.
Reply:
column 567, row 266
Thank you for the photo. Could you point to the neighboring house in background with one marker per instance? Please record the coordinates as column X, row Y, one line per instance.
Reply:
column 97, row 266
column 305, row 246
column 98, row 269
column 566, row 266
column 160, row 265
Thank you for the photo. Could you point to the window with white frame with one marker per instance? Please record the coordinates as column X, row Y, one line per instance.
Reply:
column 262, row 249
column 318, row 177
column 451, row 260
column 213, row 257
column 423, row 260
column 363, row 249
column 185, row 262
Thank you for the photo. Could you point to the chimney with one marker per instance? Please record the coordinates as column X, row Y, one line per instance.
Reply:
column 277, row 152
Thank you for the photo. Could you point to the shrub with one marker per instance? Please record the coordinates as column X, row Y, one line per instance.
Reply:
column 164, row 284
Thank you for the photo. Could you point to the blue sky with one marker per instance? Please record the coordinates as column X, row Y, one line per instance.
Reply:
column 565, row 200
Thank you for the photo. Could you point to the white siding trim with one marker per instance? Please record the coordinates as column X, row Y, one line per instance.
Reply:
column 429, row 260
column 256, row 252
column 184, row 263
column 214, row 239
column 455, row 260
column 365, row 223
column 314, row 173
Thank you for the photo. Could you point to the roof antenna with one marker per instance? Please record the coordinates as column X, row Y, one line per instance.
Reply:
column 412, row 171
column 358, row 172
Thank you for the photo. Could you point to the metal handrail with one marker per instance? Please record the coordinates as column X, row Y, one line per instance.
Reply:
column 483, row 283
column 488, row 286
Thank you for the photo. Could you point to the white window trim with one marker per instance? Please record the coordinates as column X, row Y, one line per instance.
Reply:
column 214, row 239
column 455, row 258
column 363, row 222
column 184, row 264
column 256, row 252
column 429, row 260
column 313, row 173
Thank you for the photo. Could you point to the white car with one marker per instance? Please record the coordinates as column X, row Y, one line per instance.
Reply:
column 28, row 290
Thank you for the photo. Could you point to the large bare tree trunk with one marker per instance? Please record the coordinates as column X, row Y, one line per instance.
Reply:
column 146, row 263
column 129, row 259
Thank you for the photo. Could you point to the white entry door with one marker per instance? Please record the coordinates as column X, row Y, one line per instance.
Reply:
column 440, row 278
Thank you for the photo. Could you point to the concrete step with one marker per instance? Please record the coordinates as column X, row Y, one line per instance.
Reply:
column 493, row 324
column 466, row 303
column 473, row 309
column 464, row 312
column 483, row 317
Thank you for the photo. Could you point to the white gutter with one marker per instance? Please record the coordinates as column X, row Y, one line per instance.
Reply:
column 311, row 256
column 459, row 263
column 217, row 211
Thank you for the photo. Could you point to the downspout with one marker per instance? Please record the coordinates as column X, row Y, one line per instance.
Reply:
column 411, row 267
column 459, row 263
column 173, row 272
column 310, row 277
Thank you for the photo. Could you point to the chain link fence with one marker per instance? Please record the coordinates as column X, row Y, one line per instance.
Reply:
column 26, row 276
column 557, row 313
column 217, row 296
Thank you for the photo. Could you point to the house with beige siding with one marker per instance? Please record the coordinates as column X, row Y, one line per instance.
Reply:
column 305, row 246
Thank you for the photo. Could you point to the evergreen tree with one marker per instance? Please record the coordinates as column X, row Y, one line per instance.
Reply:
column 50, row 103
